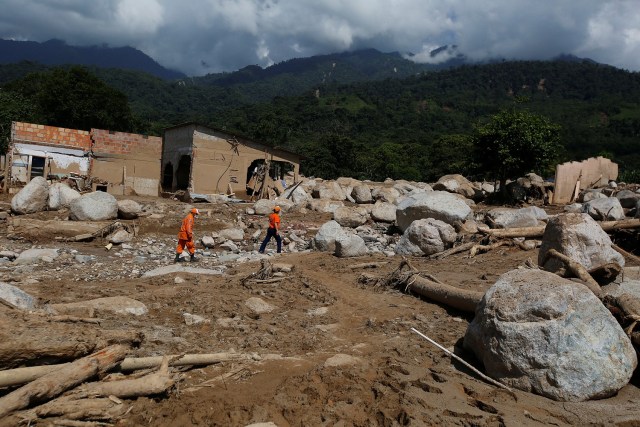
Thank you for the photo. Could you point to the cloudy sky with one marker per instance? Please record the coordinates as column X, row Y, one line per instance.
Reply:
column 204, row 36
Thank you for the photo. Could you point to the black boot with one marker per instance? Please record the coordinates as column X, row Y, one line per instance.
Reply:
column 177, row 258
column 193, row 258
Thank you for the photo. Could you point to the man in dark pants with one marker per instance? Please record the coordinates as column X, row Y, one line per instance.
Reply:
column 273, row 230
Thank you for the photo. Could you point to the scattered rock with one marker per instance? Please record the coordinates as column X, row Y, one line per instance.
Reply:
column 16, row 297
column 383, row 212
column 32, row 256
column 120, row 236
column 351, row 216
column 129, row 209
column 194, row 319
column 325, row 238
column 435, row 204
column 341, row 360
column 235, row 234
column 32, row 198
column 429, row 235
column 604, row 209
column 96, row 206
column 258, row 305
column 207, row 241
column 350, row 246
column 456, row 184
column 61, row 196
column 116, row 305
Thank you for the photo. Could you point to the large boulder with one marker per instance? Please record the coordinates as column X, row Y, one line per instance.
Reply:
column 129, row 209
column 61, row 196
column 540, row 333
column 628, row 199
column 330, row 190
column 434, row 204
column 265, row 206
column 16, row 297
column 429, row 235
column 455, row 184
column 383, row 212
column 32, row 197
column 604, row 209
column 324, row 205
column 362, row 194
column 34, row 256
column 589, row 195
column 580, row 238
column 297, row 194
column 350, row 245
column 351, row 216
column 234, row 234
column 325, row 238
column 512, row 218
column 385, row 194
column 96, row 206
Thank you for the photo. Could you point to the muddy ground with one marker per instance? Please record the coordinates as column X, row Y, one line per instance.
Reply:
column 333, row 352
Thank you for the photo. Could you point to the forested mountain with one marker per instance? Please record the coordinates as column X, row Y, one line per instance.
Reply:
column 57, row 52
column 418, row 127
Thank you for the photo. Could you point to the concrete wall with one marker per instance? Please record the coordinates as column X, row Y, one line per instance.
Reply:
column 593, row 172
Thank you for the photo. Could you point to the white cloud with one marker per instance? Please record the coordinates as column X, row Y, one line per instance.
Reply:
column 200, row 36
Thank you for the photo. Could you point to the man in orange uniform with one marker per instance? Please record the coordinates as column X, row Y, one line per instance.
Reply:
column 273, row 230
column 185, row 236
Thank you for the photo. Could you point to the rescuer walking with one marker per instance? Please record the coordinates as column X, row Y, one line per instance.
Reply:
column 185, row 236
column 273, row 230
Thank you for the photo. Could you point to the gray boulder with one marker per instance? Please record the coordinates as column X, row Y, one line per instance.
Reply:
column 628, row 199
column 540, row 333
column 589, row 195
column 234, row 234
column 604, row 209
column 455, row 184
column 383, row 212
column 350, row 245
column 61, row 196
column 208, row 241
column 324, row 205
column 16, row 297
column 330, row 190
column 362, row 194
column 32, row 198
column 385, row 194
column 299, row 195
column 429, row 235
column 33, row 256
column 512, row 218
column 96, row 206
column 119, row 237
column 351, row 216
column 435, row 204
column 128, row 209
column 580, row 238
column 325, row 238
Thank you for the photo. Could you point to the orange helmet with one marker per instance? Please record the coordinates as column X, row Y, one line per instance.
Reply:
column 195, row 211
column 276, row 208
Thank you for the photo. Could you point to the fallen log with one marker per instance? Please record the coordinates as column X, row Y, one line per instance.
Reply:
column 59, row 381
column 452, row 251
column 414, row 281
column 18, row 376
column 486, row 248
column 538, row 231
column 625, row 253
column 81, row 409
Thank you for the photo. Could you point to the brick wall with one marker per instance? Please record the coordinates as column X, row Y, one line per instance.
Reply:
column 120, row 143
column 29, row 133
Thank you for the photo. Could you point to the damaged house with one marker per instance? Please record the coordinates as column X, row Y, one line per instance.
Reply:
column 116, row 162
column 202, row 160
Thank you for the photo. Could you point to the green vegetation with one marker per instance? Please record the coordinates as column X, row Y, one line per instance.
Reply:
column 420, row 127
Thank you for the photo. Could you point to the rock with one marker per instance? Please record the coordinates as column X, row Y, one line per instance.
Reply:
column 116, row 305
column 341, row 360
column 456, row 184
column 323, row 205
column 235, row 234
column 129, row 209
column 329, row 190
column 512, row 218
column 61, row 196
column 194, row 319
column 264, row 206
column 362, row 194
column 573, row 208
column 16, row 297
column 604, row 209
column 383, row 212
column 385, row 194
column 589, row 195
column 429, row 235
column 207, row 241
column 299, row 196
column 181, row 268
column 325, row 238
column 96, row 206
column 628, row 199
column 8, row 255
column 258, row 305
column 33, row 256
column 84, row 259
column 540, row 333
column 229, row 246
column 580, row 238
column 32, row 198
column 351, row 216
column 436, row 204
column 350, row 246
column 120, row 236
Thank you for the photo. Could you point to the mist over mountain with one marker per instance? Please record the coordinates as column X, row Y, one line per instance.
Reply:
column 57, row 52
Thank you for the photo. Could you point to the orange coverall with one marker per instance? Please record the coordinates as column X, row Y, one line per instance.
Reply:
column 185, row 236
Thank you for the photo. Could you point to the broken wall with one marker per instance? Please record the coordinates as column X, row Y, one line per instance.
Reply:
column 176, row 157
column 129, row 162
column 593, row 172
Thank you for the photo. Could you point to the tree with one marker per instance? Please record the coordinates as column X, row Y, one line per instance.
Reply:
column 13, row 107
column 514, row 143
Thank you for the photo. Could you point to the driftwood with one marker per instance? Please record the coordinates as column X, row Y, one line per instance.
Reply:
column 433, row 289
column 81, row 409
column 625, row 253
column 59, row 381
column 476, row 249
column 464, row 362
column 265, row 272
column 538, row 231
column 368, row 265
column 576, row 268
column 43, row 344
column 13, row 377
column 455, row 250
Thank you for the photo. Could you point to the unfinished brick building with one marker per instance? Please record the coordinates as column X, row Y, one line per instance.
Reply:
column 116, row 162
